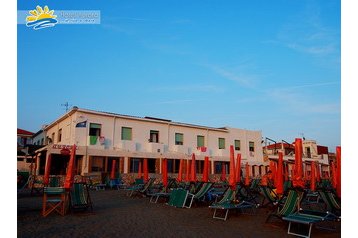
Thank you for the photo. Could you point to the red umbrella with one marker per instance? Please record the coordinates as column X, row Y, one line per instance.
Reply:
column 206, row 169
column 285, row 168
column 238, row 168
column 338, row 154
column 273, row 170
column 181, row 164
column 145, row 170
column 279, row 177
column 193, row 169
column 318, row 173
column 247, row 176
column 165, row 172
column 298, row 173
column 187, row 171
column 140, row 169
column 113, row 171
column 223, row 171
column 313, row 176
column 232, row 176
column 47, row 170
column 70, row 169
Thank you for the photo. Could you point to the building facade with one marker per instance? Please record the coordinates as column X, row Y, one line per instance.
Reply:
column 103, row 137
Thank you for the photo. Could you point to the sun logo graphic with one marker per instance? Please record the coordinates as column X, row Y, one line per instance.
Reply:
column 41, row 18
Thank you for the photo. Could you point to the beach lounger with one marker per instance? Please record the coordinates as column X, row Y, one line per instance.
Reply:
column 178, row 197
column 163, row 192
column 79, row 197
column 269, row 195
column 200, row 195
column 289, row 206
column 229, row 202
column 140, row 188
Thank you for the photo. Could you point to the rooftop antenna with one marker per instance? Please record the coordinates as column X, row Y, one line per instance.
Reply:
column 66, row 105
column 303, row 136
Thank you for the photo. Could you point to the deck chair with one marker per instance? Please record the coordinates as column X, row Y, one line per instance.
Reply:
column 332, row 205
column 36, row 184
column 289, row 206
column 80, row 198
column 140, row 188
column 116, row 183
column 162, row 192
column 23, row 181
column 269, row 195
column 229, row 202
column 54, row 200
column 200, row 195
column 178, row 197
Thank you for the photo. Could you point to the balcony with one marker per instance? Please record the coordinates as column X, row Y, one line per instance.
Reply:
column 155, row 147
column 201, row 150
column 180, row 149
column 126, row 145
column 222, row 152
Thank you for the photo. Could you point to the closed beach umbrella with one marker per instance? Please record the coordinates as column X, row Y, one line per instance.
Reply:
column 145, row 170
column 187, row 171
column 247, row 176
column 206, row 169
column 338, row 156
column 313, row 176
column 223, row 171
column 298, row 173
column 165, row 172
column 193, row 169
column 318, row 173
column 273, row 170
column 140, row 169
column 113, row 171
column 232, row 175
column 70, row 169
column 180, row 173
column 238, row 168
column 279, row 177
column 47, row 170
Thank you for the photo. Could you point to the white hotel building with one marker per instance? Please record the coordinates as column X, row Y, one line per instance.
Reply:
column 103, row 137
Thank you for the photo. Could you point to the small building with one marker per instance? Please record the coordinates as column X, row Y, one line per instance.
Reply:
column 104, row 137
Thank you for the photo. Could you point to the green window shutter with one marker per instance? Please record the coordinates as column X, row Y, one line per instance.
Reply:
column 179, row 137
column 251, row 146
column 94, row 125
column 200, row 141
column 93, row 140
column 221, row 143
column 126, row 133
column 237, row 144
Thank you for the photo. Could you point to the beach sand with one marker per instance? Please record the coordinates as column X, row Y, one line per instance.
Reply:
column 116, row 215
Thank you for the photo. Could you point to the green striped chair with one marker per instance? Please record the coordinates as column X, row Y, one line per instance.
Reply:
column 331, row 201
column 227, row 202
column 80, row 198
column 269, row 195
column 290, row 205
column 200, row 195
column 178, row 197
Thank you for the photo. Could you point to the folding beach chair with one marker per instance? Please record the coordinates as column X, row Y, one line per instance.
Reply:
column 80, row 198
column 200, row 195
column 287, row 205
column 140, row 188
column 163, row 192
column 270, row 195
column 229, row 202
column 54, row 200
column 178, row 197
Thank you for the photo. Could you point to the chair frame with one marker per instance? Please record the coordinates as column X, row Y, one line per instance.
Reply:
column 54, row 199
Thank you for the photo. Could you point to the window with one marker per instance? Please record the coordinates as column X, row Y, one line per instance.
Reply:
column 200, row 141
column 221, row 143
column 251, row 146
column 126, row 133
column 134, row 165
column 94, row 132
column 97, row 164
column 53, row 137
column 154, row 136
column 42, row 141
column 59, row 135
column 237, row 144
column 179, row 139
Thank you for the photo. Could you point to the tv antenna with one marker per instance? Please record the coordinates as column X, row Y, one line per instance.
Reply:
column 66, row 105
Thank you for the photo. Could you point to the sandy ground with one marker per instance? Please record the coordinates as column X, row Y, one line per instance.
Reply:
column 116, row 215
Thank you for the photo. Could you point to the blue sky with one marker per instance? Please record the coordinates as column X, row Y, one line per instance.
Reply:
column 273, row 66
